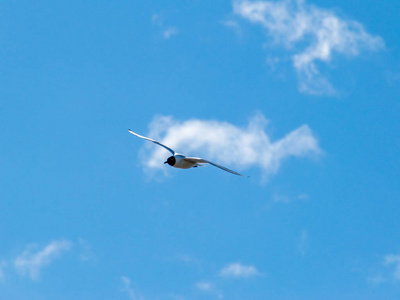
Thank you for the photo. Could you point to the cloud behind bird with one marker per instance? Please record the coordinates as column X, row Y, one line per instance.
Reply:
column 228, row 144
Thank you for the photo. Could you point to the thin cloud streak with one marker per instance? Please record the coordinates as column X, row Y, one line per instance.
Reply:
column 30, row 263
column 127, row 288
column 224, row 143
column 293, row 23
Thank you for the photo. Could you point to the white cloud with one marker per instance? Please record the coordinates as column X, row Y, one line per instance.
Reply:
column 237, row 270
column 31, row 262
column 226, row 144
column 394, row 260
column 127, row 288
column 312, row 34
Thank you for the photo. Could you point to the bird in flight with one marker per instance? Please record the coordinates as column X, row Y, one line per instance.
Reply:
column 185, row 162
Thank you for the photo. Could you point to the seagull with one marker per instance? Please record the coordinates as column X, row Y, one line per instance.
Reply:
column 182, row 161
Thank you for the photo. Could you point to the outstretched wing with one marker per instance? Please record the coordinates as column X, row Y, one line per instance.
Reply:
column 201, row 160
column 155, row 142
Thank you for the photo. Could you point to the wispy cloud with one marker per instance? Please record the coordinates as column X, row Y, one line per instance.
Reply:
column 387, row 271
column 237, row 270
column 311, row 34
column 228, row 144
column 166, row 31
column 31, row 261
column 86, row 252
column 128, row 289
column 190, row 260
column 210, row 288
column 394, row 261
column 377, row 279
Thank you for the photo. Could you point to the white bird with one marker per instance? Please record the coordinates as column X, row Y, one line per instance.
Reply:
column 185, row 162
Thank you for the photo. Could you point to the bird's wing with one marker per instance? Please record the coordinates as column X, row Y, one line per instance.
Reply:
column 201, row 160
column 155, row 142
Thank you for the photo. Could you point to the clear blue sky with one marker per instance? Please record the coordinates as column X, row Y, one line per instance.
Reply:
column 302, row 96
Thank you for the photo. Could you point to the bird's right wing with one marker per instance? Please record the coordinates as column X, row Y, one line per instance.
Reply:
column 204, row 161
column 151, row 140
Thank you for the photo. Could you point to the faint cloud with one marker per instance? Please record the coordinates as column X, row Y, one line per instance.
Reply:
column 393, row 78
column 303, row 196
column 169, row 32
column 204, row 285
column 166, row 31
column 227, row 144
column 230, row 23
column 3, row 264
column 272, row 62
column 394, row 261
column 233, row 24
column 209, row 287
column 237, row 270
column 377, row 279
column 31, row 261
column 127, row 288
column 387, row 271
column 176, row 297
column 313, row 35
column 279, row 198
column 190, row 260
column 302, row 244
column 86, row 252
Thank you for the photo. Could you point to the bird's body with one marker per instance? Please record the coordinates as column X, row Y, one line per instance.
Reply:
column 182, row 161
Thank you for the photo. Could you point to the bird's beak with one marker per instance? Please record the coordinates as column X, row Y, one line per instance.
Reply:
column 165, row 162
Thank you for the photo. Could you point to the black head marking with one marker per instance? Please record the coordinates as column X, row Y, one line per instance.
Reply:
column 171, row 161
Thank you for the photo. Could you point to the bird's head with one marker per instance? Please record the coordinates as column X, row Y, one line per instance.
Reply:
column 171, row 161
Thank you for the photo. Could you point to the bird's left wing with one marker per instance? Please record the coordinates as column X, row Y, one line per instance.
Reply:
column 204, row 161
column 155, row 142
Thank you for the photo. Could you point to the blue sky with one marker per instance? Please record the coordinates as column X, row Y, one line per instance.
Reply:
column 302, row 96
